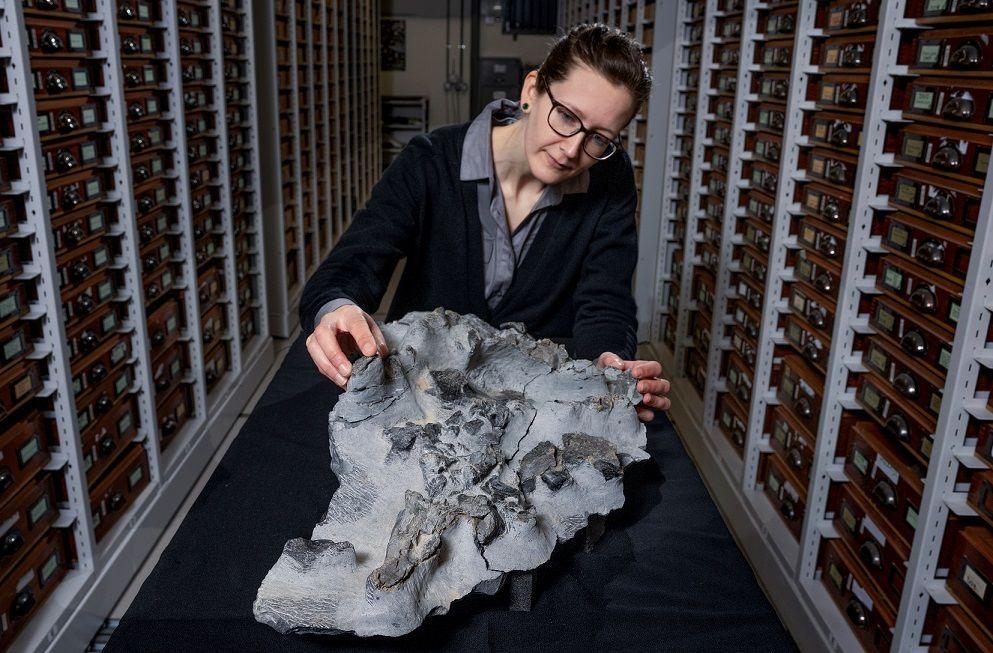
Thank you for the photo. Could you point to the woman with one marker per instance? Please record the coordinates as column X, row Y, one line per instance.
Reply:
column 524, row 215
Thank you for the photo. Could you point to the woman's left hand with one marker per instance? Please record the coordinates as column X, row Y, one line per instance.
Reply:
column 653, row 388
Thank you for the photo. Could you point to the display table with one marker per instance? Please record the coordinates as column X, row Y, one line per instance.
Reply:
column 666, row 575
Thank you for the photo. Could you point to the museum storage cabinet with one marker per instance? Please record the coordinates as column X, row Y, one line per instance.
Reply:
column 820, row 297
column 136, row 307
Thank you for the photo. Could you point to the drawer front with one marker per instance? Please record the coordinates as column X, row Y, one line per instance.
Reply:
column 23, row 452
column 25, row 519
column 970, row 579
column 29, row 584
column 118, row 489
column 868, row 614
column 785, row 494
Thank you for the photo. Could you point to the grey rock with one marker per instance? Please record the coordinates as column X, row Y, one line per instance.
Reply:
column 468, row 453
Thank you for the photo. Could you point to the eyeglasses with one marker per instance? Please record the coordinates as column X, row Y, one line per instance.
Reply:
column 565, row 123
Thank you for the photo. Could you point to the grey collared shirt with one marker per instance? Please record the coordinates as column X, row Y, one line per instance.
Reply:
column 502, row 251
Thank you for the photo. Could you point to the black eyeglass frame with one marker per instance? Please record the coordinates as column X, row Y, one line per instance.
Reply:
column 582, row 128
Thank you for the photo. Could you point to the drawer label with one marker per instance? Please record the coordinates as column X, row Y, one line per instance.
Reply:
column 886, row 468
column 974, row 581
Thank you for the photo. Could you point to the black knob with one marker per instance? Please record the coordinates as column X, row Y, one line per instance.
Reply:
column 196, row 180
column 208, row 335
column 839, row 132
column 947, row 157
column 786, row 24
column 831, row 209
column 884, row 494
column 6, row 479
column 136, row 110
column 823, row 282
column 11, row 542
column 185, row 48
column 132, row 78
column 967, row 55
column 210, row 376
column 923, row 299
column 75, row 233
column 151, row 262
column 189, row 74
column 905, row 384
column 913, row 343
column 183, row 18
column 141, row 172
column 158, row 338
column 23, row 603
column 852, row 55
column 168, row 426
column 856, row 613
column 78, row 271
column 975, row 5
column 837, row 171
column 64, row 161
column 88, row 341
column 145, row 203
column 106, row 446
column 116, row 501
column 931, row 253
column 50, row 42
column 103, row 404
column 196, row 205
column 811, row 352
column 817, row 316
column 857, row 15
column 85, row 303
column 55, row 82
column 67, row 122
column 848, row 94
column 47, row 4
column 794, row 458
column 139, row 142
column 788, row 509
column 70, row 198
column 153, row 290
column 191, row 101
column 803, row 407
column 146, row 233
column 959, row 107
column 870, row 554
column 98, row 373
column 130, row 45
column 828, row 246
column 896, row 425
column 127, row 12
column 161, row 383
column 191, row 153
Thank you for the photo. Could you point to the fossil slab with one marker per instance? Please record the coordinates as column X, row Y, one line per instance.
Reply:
column 468, row 453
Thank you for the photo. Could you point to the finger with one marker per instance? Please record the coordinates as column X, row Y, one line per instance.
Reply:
column 610, row 359
column 327, row 340
column 358, row 328
column 377, row 335
column 645, row 369
column 654, row 386
column 645, row 415
column 655, row 401
column 322, row 362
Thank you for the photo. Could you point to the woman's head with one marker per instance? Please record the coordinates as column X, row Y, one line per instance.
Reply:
column 593, row 79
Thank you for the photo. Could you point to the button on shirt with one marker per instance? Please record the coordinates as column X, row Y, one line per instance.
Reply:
column 502, row 251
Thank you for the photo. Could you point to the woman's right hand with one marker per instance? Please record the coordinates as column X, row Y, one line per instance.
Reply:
column 340, row 333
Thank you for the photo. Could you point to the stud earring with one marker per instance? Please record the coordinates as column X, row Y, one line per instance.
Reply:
column 525, row 106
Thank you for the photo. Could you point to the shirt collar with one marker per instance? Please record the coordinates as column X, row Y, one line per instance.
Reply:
column 477, row 152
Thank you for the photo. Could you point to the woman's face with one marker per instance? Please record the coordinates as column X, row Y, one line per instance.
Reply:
column 602, row 106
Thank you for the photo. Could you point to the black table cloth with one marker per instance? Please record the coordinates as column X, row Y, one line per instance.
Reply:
column 666, row 575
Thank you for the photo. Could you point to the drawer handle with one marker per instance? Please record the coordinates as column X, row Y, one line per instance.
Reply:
column 896, row 425
column 924, row 299
column 940, row 206
column 967, row 55
column 67, row 122
column 85, row 304
column 12, row 541
column 811, row 352
column 837, row 171
column 55, row 83
column 913, row 343
column 839, row 133
column 103, row 404
column 107, row 446
column 848, row 95
column 816, row 316
column 851, row 55
column 803, row 407
column 856, row 613
column 22, row 603
column 6, row 478
column 739, row 436
column 788, row 509
column 116, row 501
column 75, row 234
column 958, row 107
column 794, row 458
column 829, row 247
column 931, row 253
column 65, row 161
column 870, row 554
column 823, row 282
column 857, row 15
column 905, row 384
column 975, row 5
column 127, row 12
column 947, row 158
column 50, row 42
column 98, row 373
column 168, row 426
column 885, row 494
column 831, row 210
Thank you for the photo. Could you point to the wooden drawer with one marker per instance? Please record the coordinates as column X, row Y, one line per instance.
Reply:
column 788, row 497
column 971, row 573
column 31, row 583
column 23, row 453
column 118, row 489
column 869, row 615
column 25, row 518
column 104, row 442
column 801, row 391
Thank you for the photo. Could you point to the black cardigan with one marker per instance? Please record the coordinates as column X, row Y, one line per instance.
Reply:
column 574, row 285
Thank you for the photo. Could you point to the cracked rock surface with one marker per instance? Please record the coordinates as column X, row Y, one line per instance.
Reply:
column 469, row 452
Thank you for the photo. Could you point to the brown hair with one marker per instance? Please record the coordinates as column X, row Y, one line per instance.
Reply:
column 607, row 50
